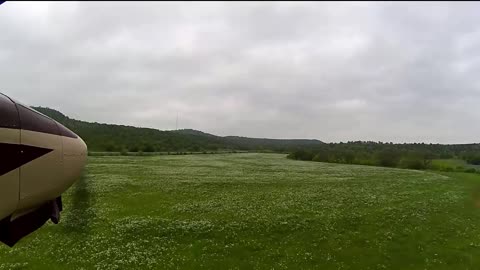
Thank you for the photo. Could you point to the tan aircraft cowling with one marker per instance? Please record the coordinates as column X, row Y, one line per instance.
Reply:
column 39, row 160
column 41, row 179
column 74, row 159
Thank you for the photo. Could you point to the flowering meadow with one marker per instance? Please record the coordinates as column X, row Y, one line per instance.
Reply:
column 257, row 211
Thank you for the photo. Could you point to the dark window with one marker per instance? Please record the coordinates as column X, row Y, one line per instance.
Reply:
column 8, row 113
column 66, row 132
column 34, row 121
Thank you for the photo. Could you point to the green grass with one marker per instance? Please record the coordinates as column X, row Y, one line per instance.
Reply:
column 99, row 154
column 452, row 164
column 257, row 211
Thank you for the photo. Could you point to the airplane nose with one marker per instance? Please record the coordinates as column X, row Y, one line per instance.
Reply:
column 39, row 160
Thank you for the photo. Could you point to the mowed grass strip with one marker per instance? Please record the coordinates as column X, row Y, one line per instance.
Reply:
column 257, row 211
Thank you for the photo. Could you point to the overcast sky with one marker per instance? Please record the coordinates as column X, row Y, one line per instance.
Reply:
column 400, row 72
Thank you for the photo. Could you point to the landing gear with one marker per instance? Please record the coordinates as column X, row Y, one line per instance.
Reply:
column 12, row 230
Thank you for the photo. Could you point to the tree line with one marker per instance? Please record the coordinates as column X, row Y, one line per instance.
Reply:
column 412, row 156
column 127, row 139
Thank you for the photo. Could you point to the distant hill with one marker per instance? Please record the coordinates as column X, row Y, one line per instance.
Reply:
column 194, row 132
column 108, row 137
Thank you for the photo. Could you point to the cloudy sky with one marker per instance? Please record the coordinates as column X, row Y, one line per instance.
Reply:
column 401, row 72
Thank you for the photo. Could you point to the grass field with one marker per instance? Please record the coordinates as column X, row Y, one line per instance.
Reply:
column 257, row 211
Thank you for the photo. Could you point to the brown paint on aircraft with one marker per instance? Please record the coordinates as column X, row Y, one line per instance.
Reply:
column 15, row 155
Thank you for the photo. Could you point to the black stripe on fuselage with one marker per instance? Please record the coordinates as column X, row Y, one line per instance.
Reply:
column 8, row 113
column 13, row 156
column 34, row 121
column 65, row 132
column 17, row 116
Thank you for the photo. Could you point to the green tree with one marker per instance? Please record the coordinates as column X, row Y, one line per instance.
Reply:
column 349, row 157
column 388, row 157
column 148, row 148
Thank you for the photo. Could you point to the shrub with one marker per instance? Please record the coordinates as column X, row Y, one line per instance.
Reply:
column 303, row 155
column 321, row 156
column 110, row 147
column 413, row 163
column 472, row 158
column 148, row 148
column 133, row 148
column 388, row 158
column 349, row 157
column 470, row 170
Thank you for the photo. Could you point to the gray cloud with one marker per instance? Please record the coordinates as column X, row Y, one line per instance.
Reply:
column 399, row 72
